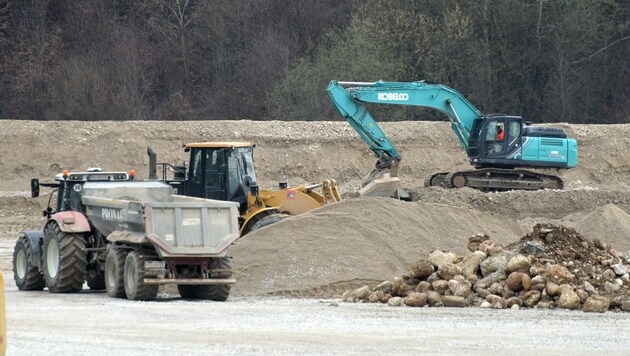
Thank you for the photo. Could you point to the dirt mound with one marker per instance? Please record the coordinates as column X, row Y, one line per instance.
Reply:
column 608, row 224
column 353, row 241
column 551, row 267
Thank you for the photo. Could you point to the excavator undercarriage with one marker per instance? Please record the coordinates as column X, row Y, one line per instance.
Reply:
column 495, row 179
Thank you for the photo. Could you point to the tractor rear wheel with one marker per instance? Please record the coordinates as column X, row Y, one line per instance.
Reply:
column 25, row 272
column 64, row 260
column 218, row 293
column 135, row 289
column 114, row 269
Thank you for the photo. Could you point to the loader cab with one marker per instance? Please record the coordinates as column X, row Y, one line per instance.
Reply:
column 221, row 171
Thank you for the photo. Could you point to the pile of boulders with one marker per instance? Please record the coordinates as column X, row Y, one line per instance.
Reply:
column 551, row 267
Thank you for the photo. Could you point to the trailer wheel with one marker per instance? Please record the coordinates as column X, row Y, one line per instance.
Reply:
column 25, row 273
column 135, row 289
column 114, row 269
column 218, row 293
column 64, row 261
column 95, row 279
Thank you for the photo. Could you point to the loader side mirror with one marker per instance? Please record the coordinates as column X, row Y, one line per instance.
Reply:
column 34, row 188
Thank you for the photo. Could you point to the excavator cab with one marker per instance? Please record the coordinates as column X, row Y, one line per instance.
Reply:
column 494, row 139
column 221, row 171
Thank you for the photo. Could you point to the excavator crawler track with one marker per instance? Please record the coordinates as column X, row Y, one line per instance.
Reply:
column 495, row 179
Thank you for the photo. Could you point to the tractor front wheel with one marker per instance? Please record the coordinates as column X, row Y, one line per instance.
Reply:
column 25, row 272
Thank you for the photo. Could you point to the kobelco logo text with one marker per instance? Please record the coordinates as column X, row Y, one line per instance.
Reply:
column 393, row 96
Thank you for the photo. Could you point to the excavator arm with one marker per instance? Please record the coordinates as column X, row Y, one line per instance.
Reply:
column 348, row 98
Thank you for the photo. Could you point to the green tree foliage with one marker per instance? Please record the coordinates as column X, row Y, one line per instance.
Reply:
column 547, row 60
column 350, row 55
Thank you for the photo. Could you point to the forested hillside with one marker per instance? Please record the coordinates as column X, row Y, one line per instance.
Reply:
column 548, row 60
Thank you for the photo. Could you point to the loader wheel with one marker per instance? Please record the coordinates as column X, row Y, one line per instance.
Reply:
column 188, row 291
column 135, row 289
column 64, row 261
column 114, row 269
column 218, row 293
column 95, row 279
column 268, row 220
column 25, row 273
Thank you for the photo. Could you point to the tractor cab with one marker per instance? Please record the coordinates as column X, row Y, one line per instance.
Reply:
column 69, row 187
column 221, row 171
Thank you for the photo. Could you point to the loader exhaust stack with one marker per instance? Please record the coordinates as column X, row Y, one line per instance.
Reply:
column 152, row 163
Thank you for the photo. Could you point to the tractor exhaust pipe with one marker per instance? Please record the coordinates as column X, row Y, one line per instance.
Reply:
column 152, row 163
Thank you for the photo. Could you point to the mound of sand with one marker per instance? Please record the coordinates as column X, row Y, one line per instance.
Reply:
column 368, row 239
column 608, row 224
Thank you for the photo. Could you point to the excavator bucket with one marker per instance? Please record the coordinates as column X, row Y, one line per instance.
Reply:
column 386, row 186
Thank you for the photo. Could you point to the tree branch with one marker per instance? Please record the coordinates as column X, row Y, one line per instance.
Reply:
column 601, row 50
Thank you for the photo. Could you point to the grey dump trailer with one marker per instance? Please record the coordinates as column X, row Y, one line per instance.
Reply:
column 127, row 237
column 168, row 238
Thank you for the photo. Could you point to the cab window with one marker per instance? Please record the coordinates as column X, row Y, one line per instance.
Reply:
column 514, row 131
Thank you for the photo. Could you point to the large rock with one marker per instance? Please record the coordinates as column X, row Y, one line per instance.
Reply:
column 385, row 287
column 454, row 301
column 611, row 287
column 569, row 300
column 517, row 263
column 596, row 304
column 440, row 286
column 438, row 258
column 395, row 301
column 552, row 289
column 376, row 297
column 362, row 293
column 558, row 274
column 493, row 264
column 470, row 263
column 490, row 279
column 475, row 240
column 421, row 270
column 448, row 270
column 531, row 298
column 397, row 283
column 423, row 287
column 497, row 301
column 433, row 298
column 619, row 269
column 518, row 281
column 416, row 300
column 462, row 289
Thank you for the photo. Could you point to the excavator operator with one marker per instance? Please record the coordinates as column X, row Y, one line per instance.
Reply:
column 500, row 133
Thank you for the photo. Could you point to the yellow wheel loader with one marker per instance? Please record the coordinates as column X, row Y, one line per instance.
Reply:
column 225, row 171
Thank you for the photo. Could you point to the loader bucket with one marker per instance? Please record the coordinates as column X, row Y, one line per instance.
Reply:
column 381, row 187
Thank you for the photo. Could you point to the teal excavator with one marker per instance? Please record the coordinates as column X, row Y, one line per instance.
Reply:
column 499, row 146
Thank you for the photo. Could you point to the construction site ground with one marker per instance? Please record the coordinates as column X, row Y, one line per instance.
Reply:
column 290, row 276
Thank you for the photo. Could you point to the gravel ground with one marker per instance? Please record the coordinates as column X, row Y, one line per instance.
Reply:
column 73, row 324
